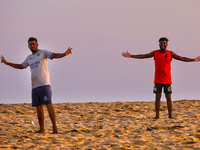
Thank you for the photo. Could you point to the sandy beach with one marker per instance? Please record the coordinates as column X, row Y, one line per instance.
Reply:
column 103, row 126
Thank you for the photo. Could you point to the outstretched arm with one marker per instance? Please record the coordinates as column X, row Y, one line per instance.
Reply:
column 185, row 59
column 16, row 66
column 58, row 55
column 140, row 56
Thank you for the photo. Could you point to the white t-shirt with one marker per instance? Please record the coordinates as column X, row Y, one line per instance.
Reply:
column 39, row 69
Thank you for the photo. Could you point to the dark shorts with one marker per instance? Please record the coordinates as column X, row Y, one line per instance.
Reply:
column 41, row 95
column 158, row 88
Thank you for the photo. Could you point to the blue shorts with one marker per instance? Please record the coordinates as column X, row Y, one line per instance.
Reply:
column 41, row 95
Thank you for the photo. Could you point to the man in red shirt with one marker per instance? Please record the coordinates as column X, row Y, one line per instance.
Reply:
column 162, row 58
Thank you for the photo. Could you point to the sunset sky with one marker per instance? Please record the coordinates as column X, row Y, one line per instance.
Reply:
column 99, row 31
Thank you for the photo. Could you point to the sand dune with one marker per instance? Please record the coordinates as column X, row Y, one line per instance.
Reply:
column 99, row 126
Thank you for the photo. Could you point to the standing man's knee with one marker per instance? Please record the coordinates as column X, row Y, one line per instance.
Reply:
column 168, row 96
column 39, row 107
column 49, row 106
column 158, row 96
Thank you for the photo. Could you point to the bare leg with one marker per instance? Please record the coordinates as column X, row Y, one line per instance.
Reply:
column 40, row 115
column 52, row 116
column 157, row 104
column 169, row 104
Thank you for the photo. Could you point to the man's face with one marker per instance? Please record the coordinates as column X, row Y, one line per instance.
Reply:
column 33, row 46
column 163, row 45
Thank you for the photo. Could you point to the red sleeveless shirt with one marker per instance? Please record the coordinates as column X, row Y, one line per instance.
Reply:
column 163, row 67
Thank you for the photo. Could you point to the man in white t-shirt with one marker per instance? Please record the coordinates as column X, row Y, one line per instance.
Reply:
column 41, row 88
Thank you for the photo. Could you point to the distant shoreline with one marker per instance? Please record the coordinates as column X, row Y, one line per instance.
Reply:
column 108, row 101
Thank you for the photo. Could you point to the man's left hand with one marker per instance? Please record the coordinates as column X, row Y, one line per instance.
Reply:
column 197, row 58
column 68, row 51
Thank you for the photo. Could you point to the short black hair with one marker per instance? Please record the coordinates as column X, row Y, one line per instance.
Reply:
column 32, row 39
column 163, row 39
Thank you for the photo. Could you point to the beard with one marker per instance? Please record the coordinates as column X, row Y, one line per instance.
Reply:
column 162, row 48
column 33, row 51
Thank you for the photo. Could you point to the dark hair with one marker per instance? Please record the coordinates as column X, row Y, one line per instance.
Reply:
column 32, row 39
column 163, row 39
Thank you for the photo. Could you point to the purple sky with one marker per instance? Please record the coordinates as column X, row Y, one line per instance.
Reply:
column 99, row 31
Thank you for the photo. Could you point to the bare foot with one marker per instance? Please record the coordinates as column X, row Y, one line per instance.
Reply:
column 55, row 132
column 41, row 131
column 156, row 118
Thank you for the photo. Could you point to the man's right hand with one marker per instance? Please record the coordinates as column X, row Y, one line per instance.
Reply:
column 3, row 60
column 127, row 54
